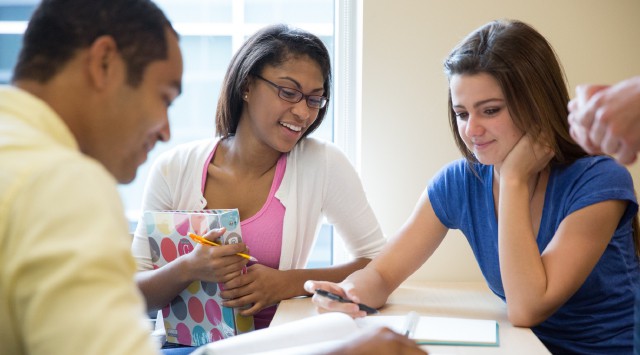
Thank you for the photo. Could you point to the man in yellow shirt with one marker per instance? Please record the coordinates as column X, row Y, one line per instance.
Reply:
column 89, row 99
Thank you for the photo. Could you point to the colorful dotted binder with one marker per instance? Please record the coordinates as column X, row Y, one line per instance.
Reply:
column 196, row 316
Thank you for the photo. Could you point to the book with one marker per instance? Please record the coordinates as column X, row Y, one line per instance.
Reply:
column 329, row 330
column 196, row 316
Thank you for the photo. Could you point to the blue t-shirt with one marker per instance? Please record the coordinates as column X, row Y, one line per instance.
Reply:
column 599, row 317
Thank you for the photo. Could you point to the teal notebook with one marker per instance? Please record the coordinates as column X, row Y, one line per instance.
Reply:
column 439, row 330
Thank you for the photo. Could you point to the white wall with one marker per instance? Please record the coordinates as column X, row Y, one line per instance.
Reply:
column 405, row 132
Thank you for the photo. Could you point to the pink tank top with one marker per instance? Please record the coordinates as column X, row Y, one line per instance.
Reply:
column 262, row 232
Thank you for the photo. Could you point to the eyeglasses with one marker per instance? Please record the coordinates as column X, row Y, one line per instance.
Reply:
column 295, row 96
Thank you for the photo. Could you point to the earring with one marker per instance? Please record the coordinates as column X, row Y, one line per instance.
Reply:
column 246, row 96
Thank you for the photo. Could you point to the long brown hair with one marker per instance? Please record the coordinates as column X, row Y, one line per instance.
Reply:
column 528, row 71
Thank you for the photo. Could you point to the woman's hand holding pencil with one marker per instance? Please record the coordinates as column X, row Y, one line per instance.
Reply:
column 204, row 241
column 211, row 263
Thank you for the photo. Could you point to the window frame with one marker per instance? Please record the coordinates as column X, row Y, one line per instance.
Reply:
column 347, row 98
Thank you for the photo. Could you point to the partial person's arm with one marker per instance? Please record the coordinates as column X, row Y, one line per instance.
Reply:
column 378, row 341
column 607, row 119
column 406, row 252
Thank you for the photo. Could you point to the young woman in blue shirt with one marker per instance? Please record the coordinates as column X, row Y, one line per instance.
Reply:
column 552, row 228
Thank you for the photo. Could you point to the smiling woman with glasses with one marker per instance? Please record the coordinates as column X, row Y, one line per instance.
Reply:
column 263, row 163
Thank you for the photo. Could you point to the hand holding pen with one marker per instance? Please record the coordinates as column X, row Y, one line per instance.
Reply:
column 338, row 298
column 331, row 297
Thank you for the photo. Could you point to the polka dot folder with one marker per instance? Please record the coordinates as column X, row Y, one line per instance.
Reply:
column 196, row 316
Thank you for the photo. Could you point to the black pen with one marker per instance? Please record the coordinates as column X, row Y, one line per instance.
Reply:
column 333, row 296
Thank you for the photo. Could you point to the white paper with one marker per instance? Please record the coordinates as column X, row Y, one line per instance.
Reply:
column 312, row 330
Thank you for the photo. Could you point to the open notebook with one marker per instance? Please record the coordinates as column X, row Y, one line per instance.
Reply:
column 439, row 330
column 328, row 330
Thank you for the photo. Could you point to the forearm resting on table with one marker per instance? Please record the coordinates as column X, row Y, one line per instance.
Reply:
column 523, row 274
column 537, row 285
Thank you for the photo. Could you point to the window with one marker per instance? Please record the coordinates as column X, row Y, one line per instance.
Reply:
column 13, row 17
column 211, row 31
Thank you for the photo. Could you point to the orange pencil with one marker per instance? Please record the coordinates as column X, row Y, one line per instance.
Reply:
column 202, row 240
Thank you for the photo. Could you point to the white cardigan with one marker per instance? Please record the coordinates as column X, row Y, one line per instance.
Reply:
column 319, row 180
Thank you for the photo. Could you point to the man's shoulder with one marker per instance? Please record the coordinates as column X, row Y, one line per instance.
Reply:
column 55, row 169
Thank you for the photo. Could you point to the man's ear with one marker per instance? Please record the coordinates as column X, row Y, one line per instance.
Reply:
column 104, row 60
